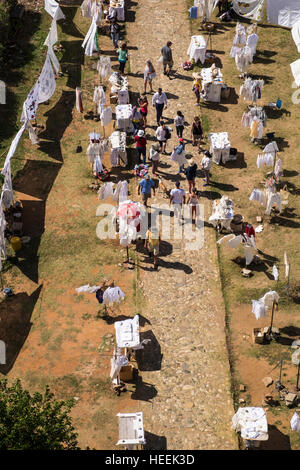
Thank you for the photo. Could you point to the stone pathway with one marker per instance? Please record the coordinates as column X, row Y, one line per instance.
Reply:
column 193, row 406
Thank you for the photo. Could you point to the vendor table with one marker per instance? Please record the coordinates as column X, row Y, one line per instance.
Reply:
column 131, row 429
column 211, row 85
column 117, row 6
column 197, row 49
column 219, row 147
column 123, row 117
column 118, row 148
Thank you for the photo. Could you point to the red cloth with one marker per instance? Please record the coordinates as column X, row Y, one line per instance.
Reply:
column 140, row 141
column 249, row 230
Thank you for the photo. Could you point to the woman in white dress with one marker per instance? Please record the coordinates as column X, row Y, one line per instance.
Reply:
column 149, row 75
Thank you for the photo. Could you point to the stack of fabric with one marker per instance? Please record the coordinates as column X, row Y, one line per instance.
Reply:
column 219, row 147
column 123, row 117
column 118, row 148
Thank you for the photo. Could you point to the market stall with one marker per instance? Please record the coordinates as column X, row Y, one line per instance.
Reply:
column 123, row 117
column 117, row 6
column 117, row 142
column 197, row 49
column 131, row 430
column 212, row 84
column 219, row 147
column 222, row 213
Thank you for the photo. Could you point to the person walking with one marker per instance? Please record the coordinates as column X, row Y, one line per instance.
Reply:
column 145, row 186
column 197, row 132
column 122, row 57
column 191, row 173
column 152, row 245
column 177, row 199
column 143, row 103
column 154, row 157
column 114, row 32
column 179, row 123
column 180, row 155
column 166, row 53
column 149, row 75
column 197, row 87
column 160, row 102
column 141, row 143
column 137, row 119
column 193, row 202
column 161, row 135
column 206, row 166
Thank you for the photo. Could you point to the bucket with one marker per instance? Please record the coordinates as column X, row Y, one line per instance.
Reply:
column 16, row 243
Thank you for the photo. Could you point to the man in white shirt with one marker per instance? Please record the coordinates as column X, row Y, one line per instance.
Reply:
column 159, row 101
column 177, row 198
column 161, row 134
column 206, row 166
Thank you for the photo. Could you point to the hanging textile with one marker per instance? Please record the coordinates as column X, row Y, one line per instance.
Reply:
column 2, row 235
column 295, row 67
column 32, row 135
column 252, row 9
column 206, row 7
column 79, row 104
column 97, row 166
column 295, row 422
column 53, row 8
column 259, row 309
column 87, row 288
column 104, row 66
column 113, row 295
column 275, row 272
column 53, row 59
column 46, row 81
column 7, row 195
column 283, row 12
column 31, row 104
column 99, row 95
column 105, row 191
column 86, row 9
column 52, row 37
column 89, row 41
column 106, row 116
column 243, row 59
column 12, row 149
column 296, row 34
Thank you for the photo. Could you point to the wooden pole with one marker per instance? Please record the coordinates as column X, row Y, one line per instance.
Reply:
column 298, row 374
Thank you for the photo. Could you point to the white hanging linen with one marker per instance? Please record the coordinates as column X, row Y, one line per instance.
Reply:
column 249, row 254
column 87, row 288
column 99, row 95
column 226, row 238
column 273, row 199
column 89, row 40
column 117, row 362
column 252, row 9
column 123, row 195
column 104, row 66
column 106, row 116
column 270, row 297
column 113, row 295
column 32, row 135
column 275, row 272
column 46, row 81
column 97, row 166
column 12, row 149
column 31, row 104
column 7, row 194
column 79, row 103
column 295, row 67
column 284, row 13
column 252, row 40
column 53, row 59
column 295, row 422
column 105, row 191
column 86, row 8
column 206, row 7
column 296, row 34
column 2, row 235
column 259, row 309
column 53, row 8
column 251, row 422
column 235, row 241
column 244, row 59
column 52, row 37
column 259, row 228
column 258, row 195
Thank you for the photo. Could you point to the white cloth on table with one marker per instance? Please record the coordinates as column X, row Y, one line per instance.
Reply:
column 212, row 84
column 222, row 212
column 118, row 147
column 296, row 34
column 106, row 116
column 123, row 117
column 219, row 147
column 251, row 422
column 197, row 49
column 128, row 333
column 113, row 295
column 105, row 191
column 295, row 422
column 118, row 8
column 123, row 96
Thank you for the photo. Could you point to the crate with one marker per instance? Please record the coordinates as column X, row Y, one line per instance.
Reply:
column 126, row 373
column 258, row 336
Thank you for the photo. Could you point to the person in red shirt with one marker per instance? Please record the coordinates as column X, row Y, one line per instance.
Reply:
column 249, row 230
column 143, row 103
column 141, row 143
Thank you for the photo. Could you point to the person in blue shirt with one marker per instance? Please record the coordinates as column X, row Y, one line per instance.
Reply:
column 145, row 188
column 180, row 150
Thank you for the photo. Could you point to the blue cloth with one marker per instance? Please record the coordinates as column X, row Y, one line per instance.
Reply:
column 193, row 12
column 278, row 103
column 146, row 186
column 180, row 148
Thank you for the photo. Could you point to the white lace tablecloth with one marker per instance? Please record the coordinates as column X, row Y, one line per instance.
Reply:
column 123, row 113
column 219, row 146
column 117, row 142
column 197, row 49
column 119, row 8
column 128, row 333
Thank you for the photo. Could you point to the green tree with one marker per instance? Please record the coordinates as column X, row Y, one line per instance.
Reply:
column 38, row 422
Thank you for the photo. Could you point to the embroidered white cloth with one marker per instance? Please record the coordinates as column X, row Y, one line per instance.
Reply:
column 7, row 194
column 106, row 116
column 296, row 34
column 222, row 212
column 284, row 13
column 197, row 49
column 251, row 422
column 104, row 66
column 12, row 149
column 99, row 95
column 32, row 135
column 295, row 422
column 243, row 59
column 86, row 9
column 295, row 67
column 251, row 90
column 123, row 117
column 118, row 7
column 252, row 9
column 53, row 8
column 31, row 104
column 113, row 295
column 87, row 288
column 52, row 37
column 97, row 166
column 105, row 191
column 252, row 41
column 128, row 333
column 117, row 142
column 89, row 40
column 46, row 80
column 219, row 146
